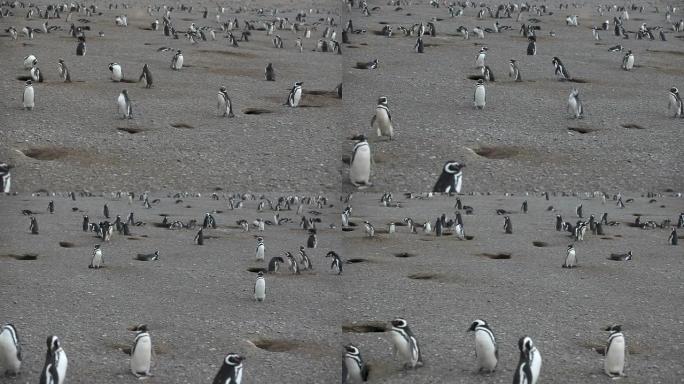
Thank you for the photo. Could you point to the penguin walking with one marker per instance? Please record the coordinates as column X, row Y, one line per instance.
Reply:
column 486, row 350
column 274, row 264
column 514, row 70
column 560, row 69
column 63, row 71
column 570, row 257
column 508, row 226
column 33, row 226
column 225, row 105
column 117, row 72
column 368, row 227
column 614, row 364
column 304, row 259
column 383, row 119
column 675, row 106
column 354, row 369
column 147, row 76
column 28, row 97
column 270, row 72
column 260, row 287
column 293, row 264
column 451, row 178
column 81, row 46
column 672, row 240
column 141, row 352
column 230, row 371
column 295, row 95
column 259, row 254
column 10, row 351
column 199, row 237
column 523, row 207
column 628, row 61
column 56, row 363
column 177, row 61
column 479, row 99
column 97, row 261
column 480, row 60
column 124, row 105
column 360, row 165
column 405, row 344
column 419, row 47
column 336, row 263
column 575, row 104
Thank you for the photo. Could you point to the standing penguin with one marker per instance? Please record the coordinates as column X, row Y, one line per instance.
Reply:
column 523, row 373
column 81, row 46
column 486, row 350
column 628, row 61
column 124, row 105
column 419, row 47
column 312, row 240
column 259, row 254
column 532, row 46
column 533, row 357
column 560, row 69
column 141, row 352
column 360, row 165
column 514, row 71
column 56, row 362
column 336, row 263
column 508, row 226
column 260, row 287
column 231, row 370
column 63, row 71
column 177, row 61
column 36, row 75
column 405, row 343
column 33, row 227
column 295, row 95
column 270, row 72
column 225, row 105
column 672, row 240
column 30, row 61
column 450, row 180
column 147, row 76
column 354, row 370
column 575, row 104
column 578, row 211
column 479, row 99
column 675, row 105
column 199, row 237
column 614, row 364
column 97, row 261
column 570, row 257
column 10, row 351
column 117, row 72
column 480, row 60
column 28, row 97
column 383, row 118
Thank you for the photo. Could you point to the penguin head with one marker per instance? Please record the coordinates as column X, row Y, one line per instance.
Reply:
column 382, row 100
column 298, row 83
column 555, row 60
column 97, row 246
column 222, row 89
column 61, row 61
column 352, row 350
column 570, row 247
column 111, row 66
column 399, row 323
column 29, row 82
column 480, row 81
column 453, row 167
column 614, row 328
column 525, row 344
column 331, row 254
column 361, row 138
column 138, row 328
column 477, row 323
column 125, row 92
column 260, row 274
column 674, row 90
column 233, row 359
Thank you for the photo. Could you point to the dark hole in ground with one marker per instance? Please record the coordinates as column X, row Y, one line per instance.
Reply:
column 352, row 46
column 475, row 77
column 497, row 256
column 46, row 153
column 606, row 238
column 365, row 327
column 354, row 261
column 318, row 92
column 182, row 125
column 309, row 106
column 25, row 256
column 632, row 126
column 256, row 111
column 347, row 229
column 276, row 345
column 497, row 152
column 404, row 254
column 469, row 237
column 582, row 129
column 617, row 235
column 160, row 225
column 579, row 81
column 540, row 244
column 66, row 244
column 23, row 78
column 423, row 276
column 130, row 130
column 133, row 238
column 256, row 269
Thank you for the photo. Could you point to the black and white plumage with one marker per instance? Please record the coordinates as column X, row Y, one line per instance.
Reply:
column 523, row 372
column 383, row 119
column 532, row 46
column 81, row 47
column 56, row 362
column 628, row 61
column 177, row 61
column 360, row 164
column 486, row 350
column 369, row 229
column 97, row 260
column 64, row 73
column 487, row 74
column 295, row 95
column 225, row 105
column 147, row 76
column 675, row 105
column 270, row 72
column 293, row 265
column 575, row 104
column 419, row 47
column 230, row 371
column 274, row 264
column 373, row 64
column 312, row 240
column 33, row 226
column 672, row 239
column 450, row 180
column 534, row 360
column 479, row 97
column 28, row 97
column 36, row 75
column 124, row 105
column 570, row 257
column 560, row 69
column 614, row 363
column 141, row 352
column 336, row 263
column 199, row 237
column 10, row 351
column 405, row 343
column 147, row 256
column 481, row 57
column 260, row 287
column 117, row 72
column 354, row 370
column 508, row 226
column 260, row 249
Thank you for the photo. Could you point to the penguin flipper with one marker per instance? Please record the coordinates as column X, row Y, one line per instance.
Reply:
column 373, row 121
column 345, row 373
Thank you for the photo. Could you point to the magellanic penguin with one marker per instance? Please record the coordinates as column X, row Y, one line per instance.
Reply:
column 97, row 260
column 419, row 47
column 231, row 370
column 30, row 61
column 354, row 370
column 486, row 350
column 405, row 343
column 575, row 104
column 33, row 226
column 383, row 119
column 146, row 256
column 147, row 76
column 508, row 226
column 10, row 351
column 451, row 178
column 141, row 352
column 63, row 71
column 479, row 99
column 675, row 104
column 259, row 254
column 28, row 97
column 36, row 75
column 295, row 95
column 672, row 240
column 614, row 364
column 532, row 46
column 124, row 104
column 56, row 362
column 560, row 69
column 523, row 372
column 570, row 257
column 628, row 61
column 260, row 287
column 480, row 60
column 225, row 105
column 270, row 73
column 533, row 357
column 274, row 264
column 117, row 72
column 81, row 46
column 336, row 263
column 360, row 165
column 177, row 61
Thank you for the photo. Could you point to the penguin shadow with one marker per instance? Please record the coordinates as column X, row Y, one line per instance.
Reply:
column 582, row 130
column 540, row 244
column 22, row 257
column 256, row 111
column 130, row 130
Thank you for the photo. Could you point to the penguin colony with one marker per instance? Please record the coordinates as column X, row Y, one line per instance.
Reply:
column 262, row 216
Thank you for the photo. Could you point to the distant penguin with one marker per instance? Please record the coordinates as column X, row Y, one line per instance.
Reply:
column 451, row 178
column 225, row 105
column 295, row 95
column 614, row 364
column 260, row 287
column 117, row 72
column 487, row 74
column 230, row 371
column 10, row 351
column 177, row 61
column 383, row 119
column 523, row 372
column 486, row 350
column 575, row 104
column 675, row 105
column 419, row 47
column 199, row 237
column 33, row 226
column 354, row 369
column 274, row 264
column 63, row 71
column 523, row 207
column 86, row 223
column 56, row 363
column 560, row 69
column 145, row 256
column 508, row 226
column 405, row 343
column 578, row 211
column 293, row 265
column 480, row 60
column 147, row 76
column 28, row 97
column 141, row 352
column 672, row 240
column 628, row 61
column 81, row 47
column 621, row 256
column 360, row 165
column 312, row 241
column 270, row 73
column 36, row 75
column 304, row 259
column 97, row 261
column 30, row 61
column 532, row 46
column 336, row 264
column 124, row 105
column 259, row 254
column 570, row 257
column 479, row 99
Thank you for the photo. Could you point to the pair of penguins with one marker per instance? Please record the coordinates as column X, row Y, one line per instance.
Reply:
column 56, row 361
column 528, row 370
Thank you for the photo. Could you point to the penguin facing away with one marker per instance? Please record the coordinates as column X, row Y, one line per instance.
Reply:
column 360, row 165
